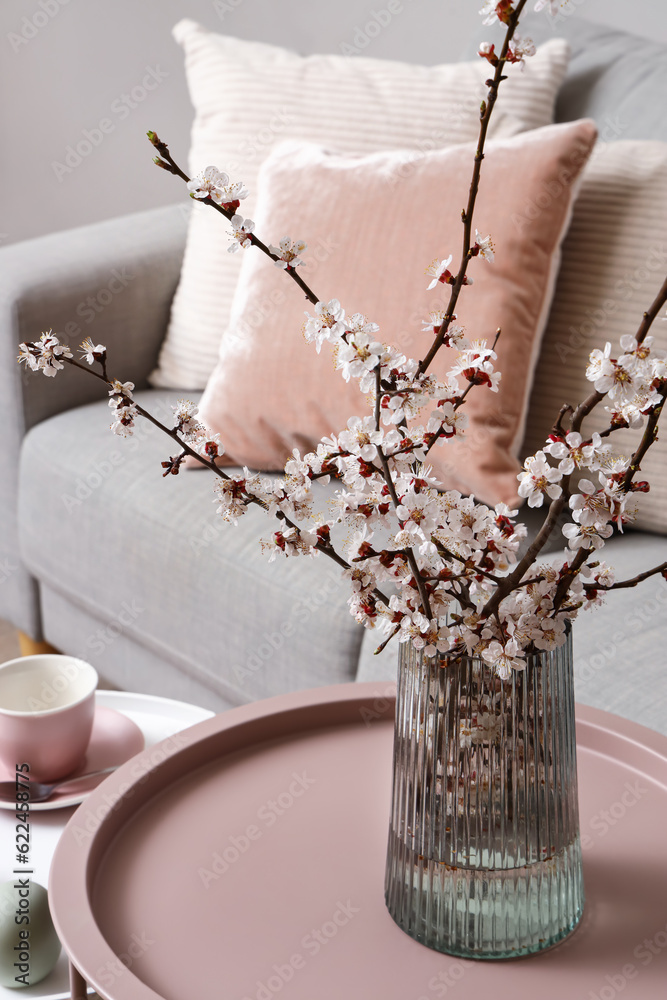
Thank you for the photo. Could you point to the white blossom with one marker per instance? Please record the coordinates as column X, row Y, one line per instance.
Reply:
column 574, row 453
column 439, row 271
column 483, row 246
column 124, row 409
column 44, row 354
column 291, row 542
column 231, row 498
column 215, row 184
column 519, row 49
column 361, row 353
column 207, row 182
column 475, row 365
column 241, row 231
column 586, row 536
column 229, row 194
column 495, row 10
column 553, row 5
column 327, row 324
column 539, row 479
column 90, row 350
column 503, row 658
column 288, row 252
column 361, row 438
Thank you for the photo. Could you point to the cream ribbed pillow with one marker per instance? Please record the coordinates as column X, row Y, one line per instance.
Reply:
column 614, row 261
column 248, row 96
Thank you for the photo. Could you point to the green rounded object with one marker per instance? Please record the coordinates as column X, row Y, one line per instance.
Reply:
column 29, row 945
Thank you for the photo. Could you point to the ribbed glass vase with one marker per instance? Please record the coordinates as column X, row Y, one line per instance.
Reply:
column 484, row 855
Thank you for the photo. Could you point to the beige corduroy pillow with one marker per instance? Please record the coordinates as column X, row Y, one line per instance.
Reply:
column 614, row 262
column 249, row 96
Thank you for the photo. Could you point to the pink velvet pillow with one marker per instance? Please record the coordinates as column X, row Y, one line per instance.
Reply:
column 373, row 224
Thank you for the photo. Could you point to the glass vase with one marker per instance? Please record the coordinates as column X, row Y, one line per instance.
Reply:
column 484, row 854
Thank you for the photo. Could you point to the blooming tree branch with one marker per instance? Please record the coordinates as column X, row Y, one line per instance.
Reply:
column 428, row 566
column 510, row 16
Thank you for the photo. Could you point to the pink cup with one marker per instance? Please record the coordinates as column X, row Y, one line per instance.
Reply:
column 47, row 704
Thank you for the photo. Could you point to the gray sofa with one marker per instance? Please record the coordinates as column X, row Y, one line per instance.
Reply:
column 105, row 559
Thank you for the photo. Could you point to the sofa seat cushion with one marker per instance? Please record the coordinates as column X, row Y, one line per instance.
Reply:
column 99, row 525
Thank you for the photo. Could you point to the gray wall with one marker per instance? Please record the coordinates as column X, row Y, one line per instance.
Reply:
column 67, row 64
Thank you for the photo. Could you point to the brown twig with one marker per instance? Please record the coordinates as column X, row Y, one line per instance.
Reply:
column 467, row 215
column 625, row 584
column 173, row 168
column 412, row 561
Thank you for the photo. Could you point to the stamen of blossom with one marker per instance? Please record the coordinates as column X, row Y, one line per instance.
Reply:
column 539, row 479
column 206, row 183
column 292, row 542
column 215, row 184
column 328, row 324
column 289, row 253
column 44, row 354
column 474, row 365
column 241, row 230
column 92, row 352
column 439, row 270
column 125, row 410
column 553, row 5
column 232, row 498
column 519, row 48
column 455, row 333
column 482, row 246
column 360, row 355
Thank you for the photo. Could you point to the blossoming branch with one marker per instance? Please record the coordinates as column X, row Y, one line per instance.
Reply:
column 433, row 568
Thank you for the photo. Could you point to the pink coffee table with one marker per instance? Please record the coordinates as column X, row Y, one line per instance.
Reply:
column 249, row 863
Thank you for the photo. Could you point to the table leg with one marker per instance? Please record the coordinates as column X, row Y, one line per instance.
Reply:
column 77, row 984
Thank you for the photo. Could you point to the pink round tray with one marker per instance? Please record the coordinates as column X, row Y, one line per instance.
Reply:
column 244, row 859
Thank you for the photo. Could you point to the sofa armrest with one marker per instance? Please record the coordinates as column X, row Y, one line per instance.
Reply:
column 113, row 282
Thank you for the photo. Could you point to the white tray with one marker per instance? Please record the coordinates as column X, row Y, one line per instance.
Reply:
column 157, row 718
